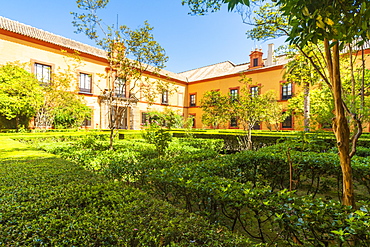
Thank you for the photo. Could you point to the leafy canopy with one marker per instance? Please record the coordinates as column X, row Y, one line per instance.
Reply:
column 20, row 92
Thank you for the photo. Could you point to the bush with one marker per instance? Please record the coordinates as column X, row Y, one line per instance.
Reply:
column 55, row 203
column 246, row 191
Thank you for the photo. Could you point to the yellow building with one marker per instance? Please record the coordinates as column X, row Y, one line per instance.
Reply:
column 266, row 74
column 43, row 50
column 46, row 53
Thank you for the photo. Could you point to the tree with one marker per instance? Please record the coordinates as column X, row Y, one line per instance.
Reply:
column 274, row 114
column 62, row 107
column 201, row 7
column 157, row 128
column 250, row 109
column 247, row 109
column 215, row 112
column 337, row 24
column 270, row 22
column 130, row 54
column 356, row 79
column 300, row 71
column 20, row 93
column 321, row 106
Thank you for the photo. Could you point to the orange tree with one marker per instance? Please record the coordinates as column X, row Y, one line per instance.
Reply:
column 336, row 23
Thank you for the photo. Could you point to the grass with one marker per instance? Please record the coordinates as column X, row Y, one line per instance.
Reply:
column 11, row 149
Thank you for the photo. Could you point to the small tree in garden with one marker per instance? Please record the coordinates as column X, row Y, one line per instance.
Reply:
column 62, row 107
column 130, row 53
column 250, row 109
column 158, row 126
column 20, row 94
column 274, row 114
column 300, row 71
column 321, row 108
column 215, row 109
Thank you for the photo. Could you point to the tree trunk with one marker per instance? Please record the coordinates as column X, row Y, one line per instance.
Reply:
column 111, row 138
column 249, row 144
column 17, row 123
column 340, row 124
column 306, row 106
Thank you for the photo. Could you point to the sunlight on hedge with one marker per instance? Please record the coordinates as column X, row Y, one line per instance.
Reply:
column 11, row 149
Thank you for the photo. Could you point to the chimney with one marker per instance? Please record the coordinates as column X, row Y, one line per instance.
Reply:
column 256, row 60
column 270, row 55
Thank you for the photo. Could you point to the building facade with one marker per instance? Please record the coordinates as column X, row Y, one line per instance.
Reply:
column 46, row 52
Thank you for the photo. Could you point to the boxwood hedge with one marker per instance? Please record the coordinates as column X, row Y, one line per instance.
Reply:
column 247, row 191
column 53, row 202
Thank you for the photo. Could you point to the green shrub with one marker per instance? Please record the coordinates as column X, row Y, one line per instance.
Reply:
column 216, row 145
column 51, row 202
column 363, row 151
column 246, row 191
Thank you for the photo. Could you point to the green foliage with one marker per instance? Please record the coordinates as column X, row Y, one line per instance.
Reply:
column 275, row 27
column 160, row 137
column 247, row 109
column 215, row 109
column 91, row 141
column 321, row 106
column 363, row 151
column 216, row 145
column 250, row 109
column 71, row 114
column 53, row 202
column 245, row 192
column 168, row 118
column 201, row 7
column 310, row 22
column 158, row 126
column 20, row 93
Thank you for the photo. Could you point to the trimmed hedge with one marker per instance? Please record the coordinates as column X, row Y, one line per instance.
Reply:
column 52, row 202
column 246, row 192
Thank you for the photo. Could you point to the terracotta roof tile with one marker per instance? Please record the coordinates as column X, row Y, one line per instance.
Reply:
column 211, row 71
column 32, row 32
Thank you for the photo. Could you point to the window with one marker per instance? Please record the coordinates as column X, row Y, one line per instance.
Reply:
column 254, row 91
column 257, row 126
column 43, row 73
column 234, row 122
column 234, row 94
column 144, row 118
column 85, row 83
column 192, row 116
column 120, row 88
column 286, row 91
column 255, row 62
column 192, row 99
column 288, row 123
column 86, row 122
column 165, row 97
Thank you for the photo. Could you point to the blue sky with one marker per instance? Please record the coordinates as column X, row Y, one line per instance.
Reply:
column 190, row 41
